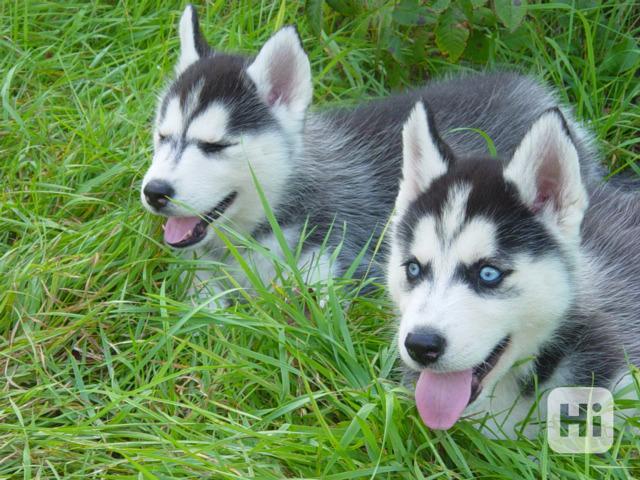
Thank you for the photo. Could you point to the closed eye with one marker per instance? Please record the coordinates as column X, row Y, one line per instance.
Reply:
column 208, row 147
column 162, row 138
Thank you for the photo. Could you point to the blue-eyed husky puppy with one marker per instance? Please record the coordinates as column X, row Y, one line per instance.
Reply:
column 506, row 272
column 227, row 117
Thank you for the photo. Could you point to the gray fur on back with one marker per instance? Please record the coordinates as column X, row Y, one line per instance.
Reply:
column 611, row 291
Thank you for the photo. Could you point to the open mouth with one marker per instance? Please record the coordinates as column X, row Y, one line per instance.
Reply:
column 181, row 232
column 442, row 397
column 482, row 370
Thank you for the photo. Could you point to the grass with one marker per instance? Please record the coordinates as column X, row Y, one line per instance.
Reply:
column 109, row 371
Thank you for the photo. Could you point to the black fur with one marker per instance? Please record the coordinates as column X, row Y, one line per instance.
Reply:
column 491, row 197
column 223, row 80
column 588, row 346
column 202, row 47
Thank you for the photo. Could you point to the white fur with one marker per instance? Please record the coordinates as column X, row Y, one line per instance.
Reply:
column 504, row 408
column 188, row 52
column 476, row 241
column 282, row 75
column 314, row 265
column 453, row 212
column 171, row 124
column 472, row 324
column 210, row 125
column 424, row 247
column 422, row 160
column 546, row 170
column 201, row 182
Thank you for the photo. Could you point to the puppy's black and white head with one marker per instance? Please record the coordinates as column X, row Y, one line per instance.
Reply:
column 481, row 258
column 224, row 117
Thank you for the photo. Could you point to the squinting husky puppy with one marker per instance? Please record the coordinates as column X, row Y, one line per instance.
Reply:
column 506, row 270
column 226, row 118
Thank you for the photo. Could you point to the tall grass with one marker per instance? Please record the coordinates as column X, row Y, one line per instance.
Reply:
column 109, row 370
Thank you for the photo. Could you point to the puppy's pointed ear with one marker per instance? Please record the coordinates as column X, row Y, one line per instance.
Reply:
column 193, row 45
column 546, row 170
column 425, row 155
column 282, row 74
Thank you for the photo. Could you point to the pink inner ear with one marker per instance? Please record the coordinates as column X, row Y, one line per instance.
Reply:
column 539, row 204
column 282, row 77
column 272, row 98
column 548, row 181
column 547, row 192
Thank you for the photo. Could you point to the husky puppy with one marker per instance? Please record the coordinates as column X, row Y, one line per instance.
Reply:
column 227, row 120
column 507, row 272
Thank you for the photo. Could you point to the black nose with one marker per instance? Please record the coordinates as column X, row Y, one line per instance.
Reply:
column 425, row 348
column 158, row 193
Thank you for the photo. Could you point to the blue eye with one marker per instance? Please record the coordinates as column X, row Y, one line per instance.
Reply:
column 413, row 270
column 490, row 276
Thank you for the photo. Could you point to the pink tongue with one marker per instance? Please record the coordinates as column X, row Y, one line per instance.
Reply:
column 179, row 228
column 442, row 397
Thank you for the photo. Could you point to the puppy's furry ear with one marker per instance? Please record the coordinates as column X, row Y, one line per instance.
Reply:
column 282, row 74
column 546, row 170
column 425, row 155
column 193, row 45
